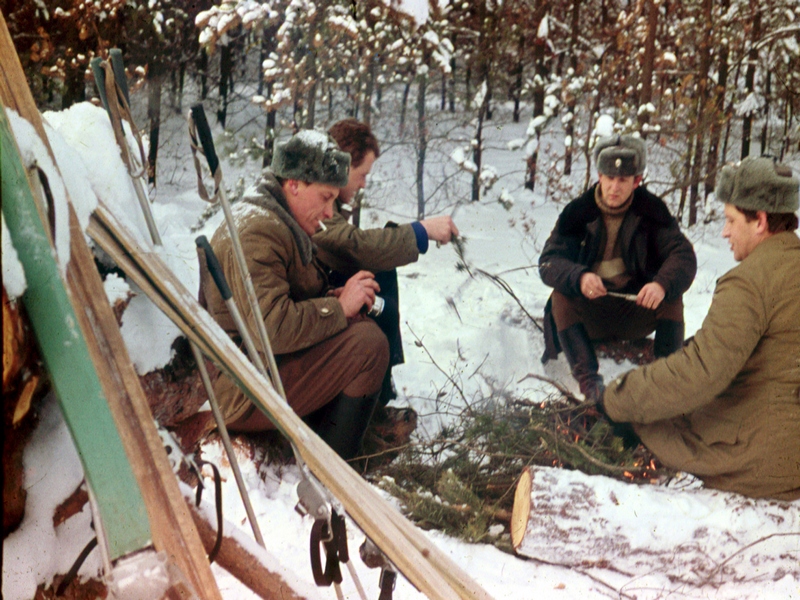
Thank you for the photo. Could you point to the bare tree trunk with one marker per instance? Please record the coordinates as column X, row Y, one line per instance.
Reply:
column 422, row 146
column 749, row 77
column 718, row 118
column 403, row 106
column 538, row 108
column 647, row 64
column 765, row 128
column 202, row 67
column 569, row 128
column 516, row 88
column 368, row 90
column 452, row 91
column 477, row 152
column 700, row 125
column 155, row 76
column 225, row 78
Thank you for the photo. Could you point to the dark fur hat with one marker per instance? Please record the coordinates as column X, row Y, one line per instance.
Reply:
column 620, row 156
column 759, row 184
column 311, row 156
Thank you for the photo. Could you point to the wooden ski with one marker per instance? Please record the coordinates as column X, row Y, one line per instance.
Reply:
column 160, row 512
column 428, row 568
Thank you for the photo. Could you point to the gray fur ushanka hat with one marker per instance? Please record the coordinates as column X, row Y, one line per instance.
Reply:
column 312, row 157
column 759, row 184
column 620, row 156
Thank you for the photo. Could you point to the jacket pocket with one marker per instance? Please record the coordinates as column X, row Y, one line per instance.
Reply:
column 716, row 427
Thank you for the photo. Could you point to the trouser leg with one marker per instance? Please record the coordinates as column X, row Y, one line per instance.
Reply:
column 352, row 363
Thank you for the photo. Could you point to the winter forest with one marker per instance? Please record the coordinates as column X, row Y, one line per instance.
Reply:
column 709, row 81
column 486, row 111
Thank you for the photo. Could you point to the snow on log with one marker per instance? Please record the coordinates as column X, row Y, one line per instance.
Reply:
column 688, row 534
column 248, row 562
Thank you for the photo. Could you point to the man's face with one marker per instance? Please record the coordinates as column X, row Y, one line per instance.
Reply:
column 358, row 178
column 310, row 203
column 742, row 235
column 617, row 189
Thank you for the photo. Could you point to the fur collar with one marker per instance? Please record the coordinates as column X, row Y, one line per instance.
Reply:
column 268, row 194
column 583, row 210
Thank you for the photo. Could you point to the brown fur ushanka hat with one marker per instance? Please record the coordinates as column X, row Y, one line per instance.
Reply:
column 620, row 156
column 312, row 157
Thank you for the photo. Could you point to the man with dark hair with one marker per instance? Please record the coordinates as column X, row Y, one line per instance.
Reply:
column 346, row 249
column 331, row 358
column 726, row 408
column 618, row 265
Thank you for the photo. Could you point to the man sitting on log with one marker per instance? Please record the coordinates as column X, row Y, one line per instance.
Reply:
column 618, row 265
column 331, row 358
column 347, row 249
column 726, row 407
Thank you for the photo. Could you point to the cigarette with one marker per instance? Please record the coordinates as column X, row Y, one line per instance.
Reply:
column 322, row 226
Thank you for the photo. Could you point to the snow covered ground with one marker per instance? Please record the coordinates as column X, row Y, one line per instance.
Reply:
column 454, row 326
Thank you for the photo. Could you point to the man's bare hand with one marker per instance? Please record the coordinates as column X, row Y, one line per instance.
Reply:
column 592, row 286
column 359, row 290
column 440, row 229
column 651, row 295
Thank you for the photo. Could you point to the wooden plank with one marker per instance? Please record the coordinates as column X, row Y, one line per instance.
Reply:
column 433, row 572
column 172, row 528
column 67, row 358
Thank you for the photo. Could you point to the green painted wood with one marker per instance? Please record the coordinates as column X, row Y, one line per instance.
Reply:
column 66, row 356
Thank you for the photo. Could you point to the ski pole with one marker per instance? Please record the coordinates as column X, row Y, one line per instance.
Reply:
column 113, row 89
column 198, row 118
column 312, row 497
column 226, row 442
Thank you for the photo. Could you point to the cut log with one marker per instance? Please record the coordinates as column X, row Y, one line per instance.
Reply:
column 683, row 535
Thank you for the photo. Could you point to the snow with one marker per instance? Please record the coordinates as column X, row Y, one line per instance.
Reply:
column 455, row 328
column 13, row 274
column 33, row 152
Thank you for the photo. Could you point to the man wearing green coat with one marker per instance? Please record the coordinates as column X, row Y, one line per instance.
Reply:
column 726, row 407
column 331, row 358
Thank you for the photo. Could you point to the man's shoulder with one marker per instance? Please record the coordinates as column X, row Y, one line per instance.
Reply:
column 578, row 213
column 649, row 206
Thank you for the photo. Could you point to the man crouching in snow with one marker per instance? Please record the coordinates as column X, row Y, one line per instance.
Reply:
column 331, row 358
column 726, row 407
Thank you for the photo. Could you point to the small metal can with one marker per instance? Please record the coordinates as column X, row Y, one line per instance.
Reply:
column 377, row 307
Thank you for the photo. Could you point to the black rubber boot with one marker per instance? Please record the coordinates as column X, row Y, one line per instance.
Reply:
column 343, row 422
column 582, row 360
column 669, row 337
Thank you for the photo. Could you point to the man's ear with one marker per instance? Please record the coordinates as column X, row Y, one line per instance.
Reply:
column 637, row 181
column 762, row 226
column 291, row 187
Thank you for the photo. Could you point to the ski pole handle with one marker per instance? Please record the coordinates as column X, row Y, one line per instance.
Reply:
column 119, row 72
column 204, row 133
column 99, row 79
column 214, row 267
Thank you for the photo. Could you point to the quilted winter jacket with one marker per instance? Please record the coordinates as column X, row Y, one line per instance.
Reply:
column 727, row 406
column 653, row 249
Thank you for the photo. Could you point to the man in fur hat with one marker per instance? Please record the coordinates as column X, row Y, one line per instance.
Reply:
column 726, row 407
column 347, row 249
column 331, row 358
column 618, row 265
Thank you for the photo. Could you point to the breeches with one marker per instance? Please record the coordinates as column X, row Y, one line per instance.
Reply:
column 612, row 318
column 353, row 361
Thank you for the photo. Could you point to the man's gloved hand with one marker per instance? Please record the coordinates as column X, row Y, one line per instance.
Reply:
column 621, row 430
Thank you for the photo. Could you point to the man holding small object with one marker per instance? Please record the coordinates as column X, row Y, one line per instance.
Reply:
column 618, row 265
column 330, row 357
